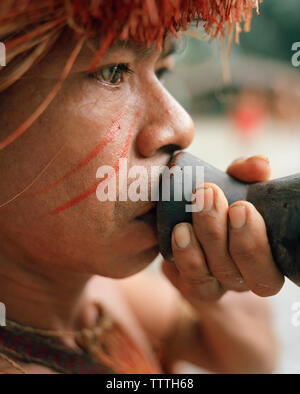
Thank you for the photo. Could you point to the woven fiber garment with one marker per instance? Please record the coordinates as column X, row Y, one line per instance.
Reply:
column 107, row 348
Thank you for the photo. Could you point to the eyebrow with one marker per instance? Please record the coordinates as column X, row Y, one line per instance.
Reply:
column 140, row 52
column 169, row 48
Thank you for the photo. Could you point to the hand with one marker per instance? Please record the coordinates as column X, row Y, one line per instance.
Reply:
column 226, row 248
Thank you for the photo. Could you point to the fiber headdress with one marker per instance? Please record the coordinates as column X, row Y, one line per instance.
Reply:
column 29, row 28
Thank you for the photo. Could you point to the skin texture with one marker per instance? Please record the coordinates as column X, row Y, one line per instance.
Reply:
column 48, row 254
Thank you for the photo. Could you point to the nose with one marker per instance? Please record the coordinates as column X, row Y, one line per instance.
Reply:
column 165, row 123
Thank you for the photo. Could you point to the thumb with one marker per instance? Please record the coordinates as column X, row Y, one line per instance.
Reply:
column 254, row 169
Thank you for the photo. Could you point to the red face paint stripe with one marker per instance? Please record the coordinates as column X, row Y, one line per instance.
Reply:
column 93, row 189
column 109, row 136
column 122, row 156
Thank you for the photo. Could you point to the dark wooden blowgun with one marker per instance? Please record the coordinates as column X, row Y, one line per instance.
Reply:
column 278, row 201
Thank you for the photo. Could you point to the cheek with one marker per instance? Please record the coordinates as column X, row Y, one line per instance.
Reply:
column 91, row 137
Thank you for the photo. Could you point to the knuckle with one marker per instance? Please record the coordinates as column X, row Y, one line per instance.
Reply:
column 190, row 266
column 213, row 231
column 247, row 251
column 223, row 275
column 199, row 280
column 231, row 280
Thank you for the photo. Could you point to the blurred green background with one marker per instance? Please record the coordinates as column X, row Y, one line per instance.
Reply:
column 258, row 62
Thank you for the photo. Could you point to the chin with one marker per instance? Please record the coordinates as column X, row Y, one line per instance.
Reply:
column 135, row 264
column 148, row 255
column 144, row 259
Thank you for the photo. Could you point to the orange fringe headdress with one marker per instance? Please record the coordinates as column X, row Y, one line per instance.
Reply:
column 29, row 28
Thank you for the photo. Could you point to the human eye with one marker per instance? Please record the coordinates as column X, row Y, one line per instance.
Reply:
column 112, row 75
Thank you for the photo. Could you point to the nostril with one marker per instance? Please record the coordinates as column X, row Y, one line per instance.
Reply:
column 170, row 148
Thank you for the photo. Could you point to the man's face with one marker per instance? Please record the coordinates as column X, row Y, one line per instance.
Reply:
column 122, row 110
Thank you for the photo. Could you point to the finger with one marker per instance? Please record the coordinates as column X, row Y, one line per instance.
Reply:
column 196, row 281
column 254, row 169
column 211, row 228
column 250, row 250
column 171, row 272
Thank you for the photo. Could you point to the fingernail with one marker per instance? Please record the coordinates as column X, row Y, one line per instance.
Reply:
column 260, row 157
column 204, row 198
column 182, row 236
column 237, row 216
